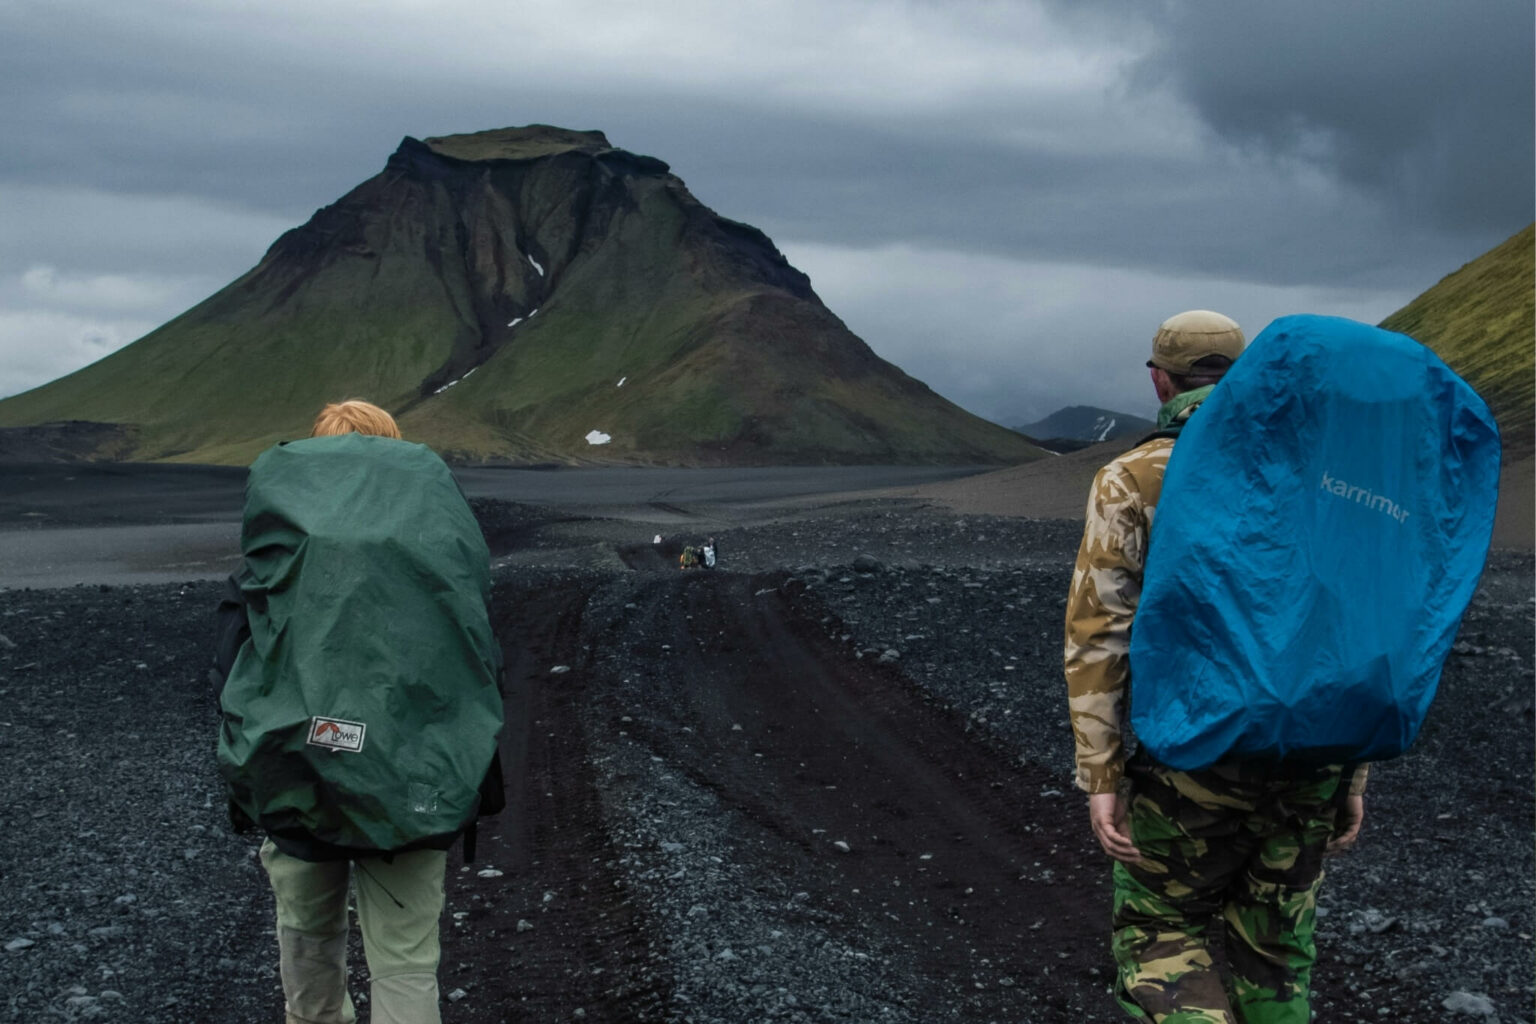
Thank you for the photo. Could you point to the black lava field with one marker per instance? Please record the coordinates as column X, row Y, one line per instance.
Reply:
column 827, row 781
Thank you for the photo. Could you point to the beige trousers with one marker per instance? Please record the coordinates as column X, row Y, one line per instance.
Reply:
column 399, row 902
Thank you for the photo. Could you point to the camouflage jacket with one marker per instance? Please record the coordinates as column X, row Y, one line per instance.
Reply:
column 1106, row 587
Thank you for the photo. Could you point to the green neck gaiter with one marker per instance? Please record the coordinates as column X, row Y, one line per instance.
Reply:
column 1178, row 403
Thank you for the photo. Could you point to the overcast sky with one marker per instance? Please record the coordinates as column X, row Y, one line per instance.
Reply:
column 1002, row 198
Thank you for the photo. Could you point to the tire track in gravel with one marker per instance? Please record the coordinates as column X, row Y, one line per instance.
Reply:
column 950, row 860
column 586, row 954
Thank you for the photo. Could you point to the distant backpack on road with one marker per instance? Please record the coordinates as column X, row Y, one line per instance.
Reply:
column 362, row 711
column 1323, row 521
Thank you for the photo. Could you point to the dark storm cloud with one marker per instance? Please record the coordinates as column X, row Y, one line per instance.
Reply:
column 1424, row 103
column 119, row 105
column 858, row 184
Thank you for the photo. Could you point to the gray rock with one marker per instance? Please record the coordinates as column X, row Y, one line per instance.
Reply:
column 1466, row 1002
column 17, row 945
column 1373, row 921
column 867, row 564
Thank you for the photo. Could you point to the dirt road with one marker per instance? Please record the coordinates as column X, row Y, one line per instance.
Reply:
column 844, row 810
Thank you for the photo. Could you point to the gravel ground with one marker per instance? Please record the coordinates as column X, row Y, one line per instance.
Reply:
column 1429, row 918
column 118, row 861
column 658, row 863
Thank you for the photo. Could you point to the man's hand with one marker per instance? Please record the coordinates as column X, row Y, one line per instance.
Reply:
column 1107, row 814
column 1347, row 828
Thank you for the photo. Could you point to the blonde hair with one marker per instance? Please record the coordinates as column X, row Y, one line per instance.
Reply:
column 354, row 416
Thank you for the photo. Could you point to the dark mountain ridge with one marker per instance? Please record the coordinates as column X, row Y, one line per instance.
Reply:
column 1078, row 426
column 522, row 295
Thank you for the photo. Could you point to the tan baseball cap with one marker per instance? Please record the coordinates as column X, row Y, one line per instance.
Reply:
column 1185, row 339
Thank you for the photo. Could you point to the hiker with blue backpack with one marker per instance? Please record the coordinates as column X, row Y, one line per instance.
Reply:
column 359, row 681
column 1295, row 546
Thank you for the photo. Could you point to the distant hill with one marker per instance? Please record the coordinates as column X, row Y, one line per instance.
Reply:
column 1079, row 426
column 521, row 295
column 1480, row 321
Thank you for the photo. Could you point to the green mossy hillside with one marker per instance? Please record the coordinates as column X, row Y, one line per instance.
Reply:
column 1480, row 321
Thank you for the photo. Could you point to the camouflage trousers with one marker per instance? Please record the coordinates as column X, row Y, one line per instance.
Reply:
column 1240, row 842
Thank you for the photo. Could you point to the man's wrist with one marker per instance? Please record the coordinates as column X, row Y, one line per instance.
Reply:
column 1098, row 782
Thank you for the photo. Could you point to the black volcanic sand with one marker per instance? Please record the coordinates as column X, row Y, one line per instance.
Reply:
column 51, row 494
column 136, row 523
column 807, row 786
column 86, row 494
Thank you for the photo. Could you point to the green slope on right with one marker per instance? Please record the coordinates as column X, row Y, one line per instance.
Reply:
column 1480, row 321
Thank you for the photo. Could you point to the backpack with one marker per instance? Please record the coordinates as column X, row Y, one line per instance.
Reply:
column 1323, row 521
column 362, row 713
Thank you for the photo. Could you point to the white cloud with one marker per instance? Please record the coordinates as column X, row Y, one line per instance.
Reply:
column 1020, row 339
column 38, row 345
column 73, row 280
column 118, row 292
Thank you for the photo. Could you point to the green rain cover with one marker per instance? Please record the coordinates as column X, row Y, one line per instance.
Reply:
column 364, row 710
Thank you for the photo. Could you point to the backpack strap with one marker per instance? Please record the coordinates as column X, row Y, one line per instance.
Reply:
column 233, row 630
column 1171, row 431
column 471, row 834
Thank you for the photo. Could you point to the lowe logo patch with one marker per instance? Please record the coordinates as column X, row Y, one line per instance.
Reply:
column 336, row 734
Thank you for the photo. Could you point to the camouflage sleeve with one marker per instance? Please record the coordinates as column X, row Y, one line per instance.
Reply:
column 1106, row 586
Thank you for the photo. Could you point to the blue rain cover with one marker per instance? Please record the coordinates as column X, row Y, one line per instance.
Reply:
column 1322, row 525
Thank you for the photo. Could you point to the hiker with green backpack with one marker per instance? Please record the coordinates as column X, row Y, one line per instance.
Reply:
column 359, row 681
column 1296, row 565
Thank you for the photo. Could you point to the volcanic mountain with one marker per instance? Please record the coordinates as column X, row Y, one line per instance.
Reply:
column 521, row 295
